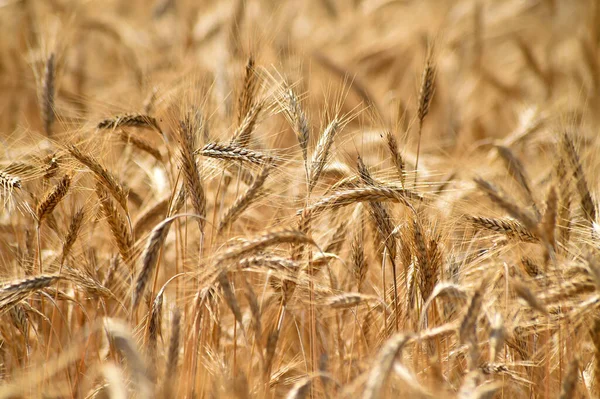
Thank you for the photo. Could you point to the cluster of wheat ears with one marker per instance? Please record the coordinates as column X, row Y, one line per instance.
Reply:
column 258, row 198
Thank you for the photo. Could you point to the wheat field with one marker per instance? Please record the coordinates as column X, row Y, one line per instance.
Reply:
column 301, row 199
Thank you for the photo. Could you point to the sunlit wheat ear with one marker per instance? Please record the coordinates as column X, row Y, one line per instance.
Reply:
column 13, row 292
column 104, row 177
column 508, row 204
column 243, row 134
column 149, row 217
column 154, row 330
column 245, row 200
column 72, row 233
column 321, row 153
column 357, row 251
column 587, row 202
column 508, row 227
column 249, row 88
column 263, row 241
column 347, row 300
column 150, row 255
column 563, row 185
column 395, row 155
column 52, row 198
column 130, row 120
column 297, row 118
column 517, row 172
column 141, row 144
column 234, row 153
column 230, row 299
column 347, row 197
column 47, row 95
column 334, row 246
column 429, row 256
column 426, row 91
column 384, row 226
column 117, row 223
column 191, row 172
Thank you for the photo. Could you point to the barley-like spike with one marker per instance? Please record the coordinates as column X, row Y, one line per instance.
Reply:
column 243, row 133
column 517, row 172
column 508, row 205
column 265, row 240
column 103, row 176
column 230, row 298
column 29, row 284
column 155, row 329
column 359, row 265
column 248, row 91
column 150, row 258
column 321, row 153
column 274, row 263
column 141, row 144
column 245, row 200
column 429, row 259
column 234, row 152
column 299, row 122
column 130, row 120
column 383, row 223
column 563, row 222
column 48, row 91
column 52, row 198
column 397, row 159
column 587, row 203
column 333, row 247
column 191, row 172
column 16, row 291
column 509, row 227
column 149, row 217
column 72, row 233
column 426, row 91
column 347, row 300
column 364, row 194
column 117, row 223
